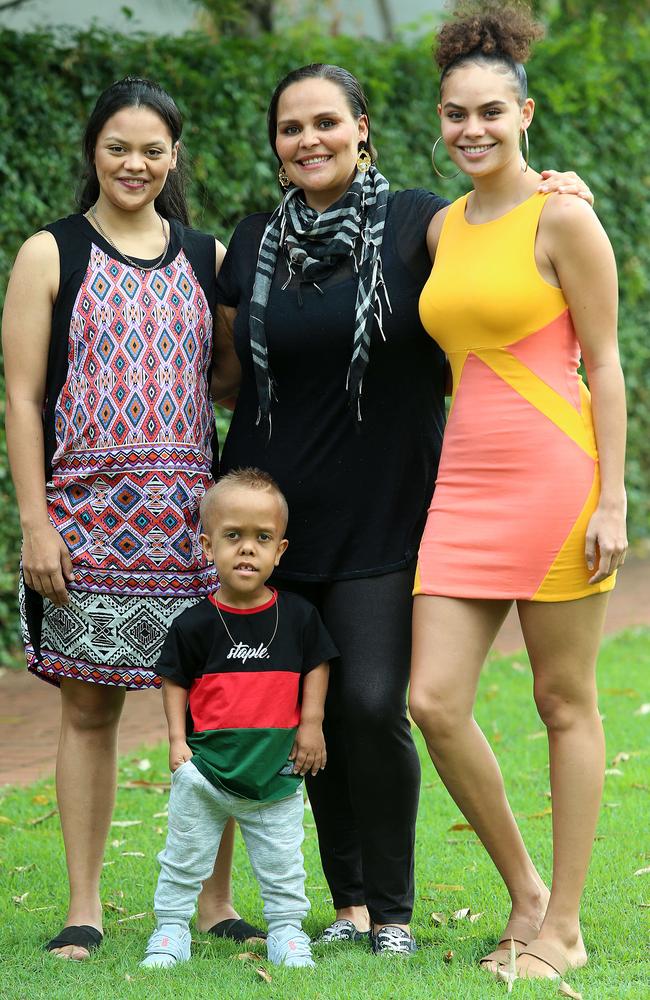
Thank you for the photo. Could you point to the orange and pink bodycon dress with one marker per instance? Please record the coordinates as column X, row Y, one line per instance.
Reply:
column 519, row 477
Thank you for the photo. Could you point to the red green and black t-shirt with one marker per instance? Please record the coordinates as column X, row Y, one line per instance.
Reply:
column 244, row 681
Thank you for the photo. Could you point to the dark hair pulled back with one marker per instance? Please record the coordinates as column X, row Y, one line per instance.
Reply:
column 134, row 92
column 357, row 101
column 491, row 33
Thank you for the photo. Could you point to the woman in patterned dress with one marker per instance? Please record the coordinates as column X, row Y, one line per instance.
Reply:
column 110, row 427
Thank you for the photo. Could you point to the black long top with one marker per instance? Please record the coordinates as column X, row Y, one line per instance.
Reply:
column 357, row 492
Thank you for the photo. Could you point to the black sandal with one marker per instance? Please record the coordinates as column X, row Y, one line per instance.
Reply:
column 236, row 929
column 83, row 936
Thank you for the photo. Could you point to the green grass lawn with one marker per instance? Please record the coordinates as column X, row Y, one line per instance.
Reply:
column 452, row 872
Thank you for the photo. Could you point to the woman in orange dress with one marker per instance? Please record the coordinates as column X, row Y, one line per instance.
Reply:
column 529, row 503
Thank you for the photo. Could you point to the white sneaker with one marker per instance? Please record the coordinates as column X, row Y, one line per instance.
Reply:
column 289, row 946
column 167, row 946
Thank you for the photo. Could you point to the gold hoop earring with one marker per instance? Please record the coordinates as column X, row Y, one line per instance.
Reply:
column 364, row 161
column 526, row 156
column 446, row 177
column 283, row 177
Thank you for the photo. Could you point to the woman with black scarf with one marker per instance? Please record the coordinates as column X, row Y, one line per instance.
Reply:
column 341, row 399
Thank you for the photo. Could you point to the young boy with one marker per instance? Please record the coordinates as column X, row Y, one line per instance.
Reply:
column 250, row 665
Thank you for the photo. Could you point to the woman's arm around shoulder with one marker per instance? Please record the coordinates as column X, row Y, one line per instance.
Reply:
column 26, row 331
column 583, row 259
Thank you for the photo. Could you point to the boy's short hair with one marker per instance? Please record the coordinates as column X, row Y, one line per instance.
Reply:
column 248, row 478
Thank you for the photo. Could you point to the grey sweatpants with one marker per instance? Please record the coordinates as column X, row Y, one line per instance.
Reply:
column 273, row 834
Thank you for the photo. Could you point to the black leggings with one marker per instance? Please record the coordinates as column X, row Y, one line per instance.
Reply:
column 365, row 801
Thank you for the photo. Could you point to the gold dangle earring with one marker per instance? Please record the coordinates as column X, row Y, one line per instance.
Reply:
column 283, row 177
column 446, row 177
column 524, row 142
column 364, row 159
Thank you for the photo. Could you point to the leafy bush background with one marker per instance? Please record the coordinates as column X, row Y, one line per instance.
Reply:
column 593, row 116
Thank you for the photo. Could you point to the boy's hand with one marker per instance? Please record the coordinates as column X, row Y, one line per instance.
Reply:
column 308, row 752
column 179, row 752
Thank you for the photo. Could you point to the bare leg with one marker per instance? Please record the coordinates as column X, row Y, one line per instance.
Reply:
column 451, row 638
column 215, row 900
column 562, row 640
column 86, row 772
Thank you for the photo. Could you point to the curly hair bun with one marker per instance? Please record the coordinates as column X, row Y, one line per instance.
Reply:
column 489, row 28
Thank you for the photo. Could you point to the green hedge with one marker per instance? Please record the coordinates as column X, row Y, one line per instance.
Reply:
column 593, row 116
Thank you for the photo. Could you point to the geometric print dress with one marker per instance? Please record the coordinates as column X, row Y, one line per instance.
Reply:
column 130, row 449
column 519, row 475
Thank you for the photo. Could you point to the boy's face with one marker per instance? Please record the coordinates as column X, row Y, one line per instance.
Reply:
column 244, row 539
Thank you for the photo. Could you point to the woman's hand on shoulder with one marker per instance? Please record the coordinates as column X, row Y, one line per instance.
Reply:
column 46, row 562
column 566, row 182
column 434, row 230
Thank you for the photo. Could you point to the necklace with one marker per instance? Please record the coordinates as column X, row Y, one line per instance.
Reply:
column 241, row 650
column 152, row 267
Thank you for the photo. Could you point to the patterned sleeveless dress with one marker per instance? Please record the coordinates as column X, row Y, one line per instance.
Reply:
column 130, row 448
column 519, row 478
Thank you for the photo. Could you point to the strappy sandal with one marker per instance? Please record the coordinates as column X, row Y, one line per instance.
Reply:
column 550, row 955
column 519, row 931
column 236, row 929
column 82, row 936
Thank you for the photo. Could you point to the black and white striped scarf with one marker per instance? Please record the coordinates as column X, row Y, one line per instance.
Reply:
column 315, row 244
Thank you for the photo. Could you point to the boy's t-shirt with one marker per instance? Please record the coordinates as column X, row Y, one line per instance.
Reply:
column 244, row 679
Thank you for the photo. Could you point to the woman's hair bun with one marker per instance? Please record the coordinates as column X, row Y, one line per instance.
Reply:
column 489, row 28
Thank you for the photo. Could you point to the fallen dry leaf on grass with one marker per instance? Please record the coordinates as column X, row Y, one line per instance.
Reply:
column 132, row 854
column 473, row 917
column 6, row 821
column 509, row 975
column 41, row 819
column 263, row 974
column 160, row 787
column 126, row 822
column 134, row 916
column 641, row 788
column 643, row 709
column 249, row 956
column 114, row 907
column 462, row 826
column 613, row 772
column 565, row 990
column 443, row 887
column 20, row 899
column 24, row 868
column 541, row 814
column 620, row 758
column 622, row 692
column 438, row 919
column 539, row 735
column 41, row 800
column 460, row 914
column 164, row 814
column 642, row 871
